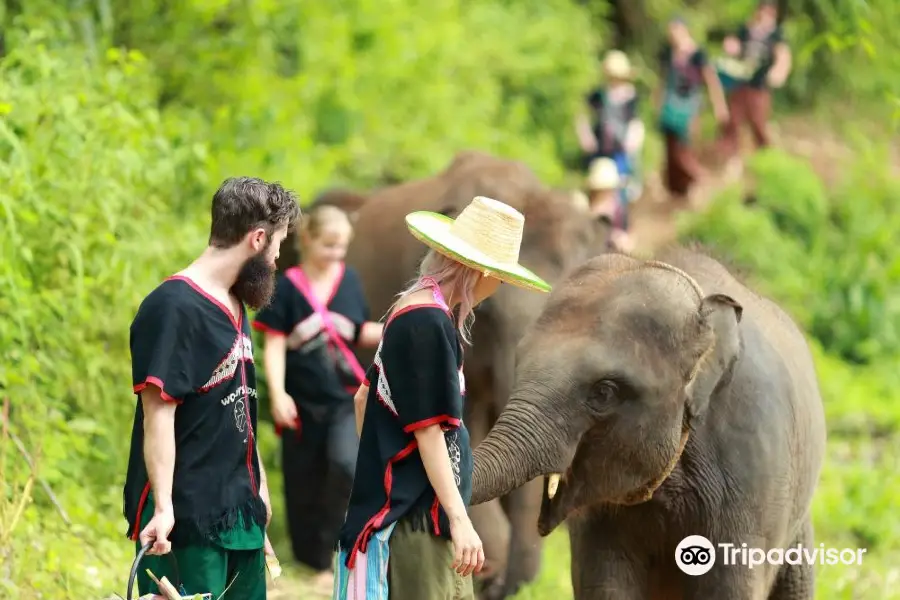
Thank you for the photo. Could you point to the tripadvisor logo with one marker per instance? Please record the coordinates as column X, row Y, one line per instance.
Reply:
column 696, row 555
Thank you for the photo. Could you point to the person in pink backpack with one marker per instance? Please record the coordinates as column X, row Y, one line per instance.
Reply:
column 317, row 316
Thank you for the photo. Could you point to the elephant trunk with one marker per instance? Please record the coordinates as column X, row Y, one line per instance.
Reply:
column 523, row 444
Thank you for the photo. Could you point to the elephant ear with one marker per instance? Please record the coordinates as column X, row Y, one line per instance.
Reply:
column 719, row 318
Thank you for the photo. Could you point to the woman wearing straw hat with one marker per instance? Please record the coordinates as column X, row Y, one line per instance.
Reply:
column 617, row 131
column 413, row 474
column 604, row 186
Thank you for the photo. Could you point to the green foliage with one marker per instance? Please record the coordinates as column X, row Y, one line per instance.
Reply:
column 830, row 255
column 89, row 224
column 362, row 91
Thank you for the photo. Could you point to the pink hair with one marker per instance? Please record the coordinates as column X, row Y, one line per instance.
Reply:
column 456, row 279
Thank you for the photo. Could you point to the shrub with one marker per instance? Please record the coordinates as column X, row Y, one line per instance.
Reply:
column 828, row 255
column 88, row 228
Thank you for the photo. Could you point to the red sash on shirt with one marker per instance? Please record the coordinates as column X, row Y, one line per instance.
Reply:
column 298, row 278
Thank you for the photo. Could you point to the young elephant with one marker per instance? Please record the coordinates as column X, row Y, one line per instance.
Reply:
column 675, row 402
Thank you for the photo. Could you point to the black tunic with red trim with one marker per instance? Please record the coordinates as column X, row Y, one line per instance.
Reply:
column 189, row 345
column 415, row 381
column 315, row 372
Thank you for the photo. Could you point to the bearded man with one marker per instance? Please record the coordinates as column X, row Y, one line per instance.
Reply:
column 195, row 486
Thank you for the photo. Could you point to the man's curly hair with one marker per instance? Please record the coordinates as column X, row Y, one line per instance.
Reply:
column 242, row 204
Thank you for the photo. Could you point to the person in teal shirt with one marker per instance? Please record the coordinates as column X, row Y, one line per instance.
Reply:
column 684, row 71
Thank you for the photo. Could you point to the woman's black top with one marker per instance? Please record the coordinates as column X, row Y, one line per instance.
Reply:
column 414, row 382
column 315, row 372
column 611, row 120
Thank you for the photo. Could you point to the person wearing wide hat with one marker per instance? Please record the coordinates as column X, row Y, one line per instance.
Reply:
column 407, row 521
column 606, row 201
column 610, row 127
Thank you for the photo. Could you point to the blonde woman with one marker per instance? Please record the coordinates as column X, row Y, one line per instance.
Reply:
column 318, row 314
column 413, row 480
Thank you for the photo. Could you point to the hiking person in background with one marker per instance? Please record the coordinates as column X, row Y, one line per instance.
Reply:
column 611, row 127
column 408, row 535
column 605, row 199
column 684, row 71
column 318, row 313
column 195, row 485
column 760, row 60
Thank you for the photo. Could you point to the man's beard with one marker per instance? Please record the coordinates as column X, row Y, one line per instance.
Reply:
column 255, row 282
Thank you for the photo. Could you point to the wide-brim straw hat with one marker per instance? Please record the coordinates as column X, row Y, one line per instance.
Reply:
column 603, row 174
column 617, row 66
column 486, row 236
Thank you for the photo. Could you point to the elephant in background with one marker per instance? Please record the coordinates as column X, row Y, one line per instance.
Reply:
column 659, row 400
column 559, row 234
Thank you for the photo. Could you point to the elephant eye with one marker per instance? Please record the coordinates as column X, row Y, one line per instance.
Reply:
column 606, row 390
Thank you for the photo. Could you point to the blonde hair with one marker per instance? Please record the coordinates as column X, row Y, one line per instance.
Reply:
column 456, row 278
column 319, row 218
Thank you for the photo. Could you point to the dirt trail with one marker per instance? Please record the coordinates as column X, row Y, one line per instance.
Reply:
column 653, row 216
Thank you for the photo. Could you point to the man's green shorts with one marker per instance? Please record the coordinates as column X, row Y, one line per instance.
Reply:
column 208, row 569
column 236, row 563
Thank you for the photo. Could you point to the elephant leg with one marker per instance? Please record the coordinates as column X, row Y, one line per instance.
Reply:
column 489, row 520
column 797, row 582
column 523, row 506
column 726, row 582
column 605, row 563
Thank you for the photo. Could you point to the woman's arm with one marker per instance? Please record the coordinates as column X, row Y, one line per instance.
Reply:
column 634, row 136
column 782, row 67
column 436, row 459
column 273, row 356
column 359, row 407
column 282, row 406
column 586, row 138
column 370, row 334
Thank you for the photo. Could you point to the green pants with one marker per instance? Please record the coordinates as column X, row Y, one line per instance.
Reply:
column 420, row 567
column 208, row 569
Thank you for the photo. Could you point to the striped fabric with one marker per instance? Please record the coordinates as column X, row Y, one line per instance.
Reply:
column 369, row 578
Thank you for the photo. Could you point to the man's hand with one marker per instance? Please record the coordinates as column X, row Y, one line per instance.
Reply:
column 467, row 549
column 158, row 529
column 269, row 550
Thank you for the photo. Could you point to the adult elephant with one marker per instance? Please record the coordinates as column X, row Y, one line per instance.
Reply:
column 675, row 402
column 558, row 234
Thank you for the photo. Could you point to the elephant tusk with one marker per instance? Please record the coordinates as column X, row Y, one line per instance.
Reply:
column 552, row 485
